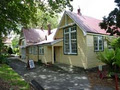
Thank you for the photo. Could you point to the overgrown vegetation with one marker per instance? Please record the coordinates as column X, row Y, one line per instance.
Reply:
column 3, row 59
column 7, row 74
column 111, row 57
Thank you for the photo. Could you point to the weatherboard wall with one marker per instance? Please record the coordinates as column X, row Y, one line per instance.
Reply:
column 92, row 60
column 47, row 56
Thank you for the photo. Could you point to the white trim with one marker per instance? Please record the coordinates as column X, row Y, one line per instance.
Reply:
column 56, row 41
column 70, row 24
column 98, row 44
column 96, row 34
column 70, row 40
column 66, row 20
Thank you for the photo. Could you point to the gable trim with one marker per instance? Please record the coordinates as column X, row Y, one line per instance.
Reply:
column 71, row 24
column 65, row 13
column 84, row 33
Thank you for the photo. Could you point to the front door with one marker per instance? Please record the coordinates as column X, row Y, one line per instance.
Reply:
column 54, row 55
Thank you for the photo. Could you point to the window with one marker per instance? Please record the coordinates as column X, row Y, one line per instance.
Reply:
column 41, row 50
column 30, row 50
column 70, row 40
column 98, row 43
column 34, row 50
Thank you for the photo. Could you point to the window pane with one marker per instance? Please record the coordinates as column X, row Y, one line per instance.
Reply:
column 73, row 28
column 66, row 48
column 73, row 35
column 95, row 43
column 66, row 38
column 66, row 30
column 74, row 46
column 41, row 50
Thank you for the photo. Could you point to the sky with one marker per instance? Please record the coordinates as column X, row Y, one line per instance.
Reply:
column 94, row 8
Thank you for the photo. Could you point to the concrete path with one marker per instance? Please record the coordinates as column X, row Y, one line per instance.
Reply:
column 54, row 78
column 51, row 78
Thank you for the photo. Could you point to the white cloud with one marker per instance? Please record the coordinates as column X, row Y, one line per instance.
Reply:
column 94, row 8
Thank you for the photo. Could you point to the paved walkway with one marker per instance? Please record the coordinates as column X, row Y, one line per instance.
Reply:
column 52, row 78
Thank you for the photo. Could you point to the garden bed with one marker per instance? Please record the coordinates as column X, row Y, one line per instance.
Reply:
column 105, row 82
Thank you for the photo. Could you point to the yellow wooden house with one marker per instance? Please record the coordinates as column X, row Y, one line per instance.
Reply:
column 75, row 42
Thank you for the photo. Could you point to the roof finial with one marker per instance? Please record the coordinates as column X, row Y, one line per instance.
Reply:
column 79, row 11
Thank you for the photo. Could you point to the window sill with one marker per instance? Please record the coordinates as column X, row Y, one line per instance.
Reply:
column 70, row 54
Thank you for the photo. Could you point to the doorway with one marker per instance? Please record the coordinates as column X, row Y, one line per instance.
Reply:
column 54, row 54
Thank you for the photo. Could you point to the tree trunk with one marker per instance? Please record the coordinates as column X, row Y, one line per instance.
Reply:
column 1, row 43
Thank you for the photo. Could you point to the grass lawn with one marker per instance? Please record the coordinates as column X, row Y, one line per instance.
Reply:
column 9, row 75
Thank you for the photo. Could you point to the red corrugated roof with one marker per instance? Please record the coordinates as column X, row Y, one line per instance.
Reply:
column 38, row 36
column 34, row 35
column 87, row 24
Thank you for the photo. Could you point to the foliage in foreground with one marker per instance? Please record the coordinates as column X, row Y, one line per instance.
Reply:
column 15, row 14
column 7, row 74
column 3, row 59
column 107, row 56
column 111, row 57
column 112, row 23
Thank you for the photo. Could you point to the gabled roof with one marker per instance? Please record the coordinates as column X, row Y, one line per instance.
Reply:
column 50, row 38
column 38, row 36
column 34, row 35
column 85, row 23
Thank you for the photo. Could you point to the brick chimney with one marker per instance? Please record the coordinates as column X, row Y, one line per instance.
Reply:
column 49, row 29
column 41, row 28
column 45, row 37
column 79, row 12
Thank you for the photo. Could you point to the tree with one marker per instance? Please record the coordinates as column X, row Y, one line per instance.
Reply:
column 112, row 23
column 16, row 13
column 15, row 42
column 43, row 19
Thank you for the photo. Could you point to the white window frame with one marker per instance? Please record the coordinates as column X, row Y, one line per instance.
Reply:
column 35, row 50
column 70, row 31
column 41, row 50
column 98, row 38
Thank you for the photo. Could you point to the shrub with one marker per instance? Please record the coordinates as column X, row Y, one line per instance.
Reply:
column 117, row 56
column 3, row 59
column 107, row 57
column 115, row 43
column 111, row 57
